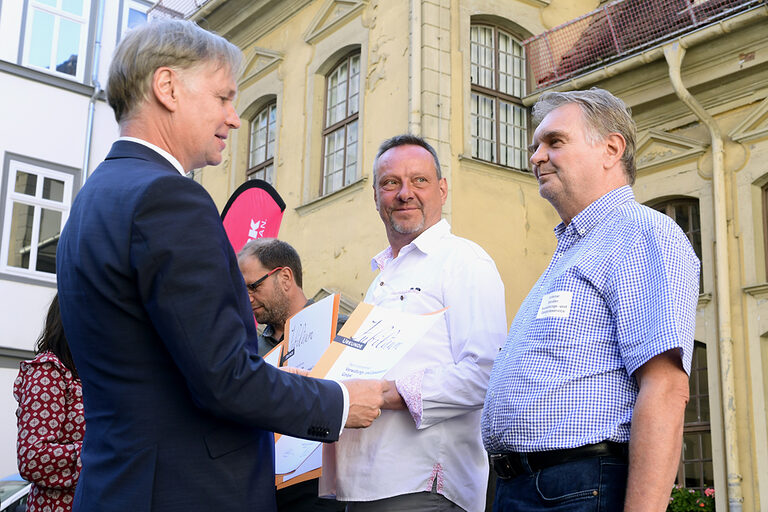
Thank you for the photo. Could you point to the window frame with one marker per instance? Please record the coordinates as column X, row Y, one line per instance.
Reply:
column 8, row 196
column 262, row 166
column 669, row 206
column 343, row 123
column 82, row 57
column 498, row 96
column 125, row 7
column 697, row 427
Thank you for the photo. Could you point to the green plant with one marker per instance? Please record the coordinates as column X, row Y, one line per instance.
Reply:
column 689, row 500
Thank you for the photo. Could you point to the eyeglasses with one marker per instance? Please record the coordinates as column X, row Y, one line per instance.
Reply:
column 255, row 285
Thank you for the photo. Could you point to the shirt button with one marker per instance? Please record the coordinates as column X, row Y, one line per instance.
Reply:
column 381, row 283
column 401, row 297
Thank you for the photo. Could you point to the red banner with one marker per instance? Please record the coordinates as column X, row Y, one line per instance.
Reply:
column 254, row 211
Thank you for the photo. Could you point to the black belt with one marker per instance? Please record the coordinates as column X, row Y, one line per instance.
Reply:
column 511, row 465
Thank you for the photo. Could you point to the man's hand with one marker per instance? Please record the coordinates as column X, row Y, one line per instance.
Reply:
column 392, row 398
column 366, row 398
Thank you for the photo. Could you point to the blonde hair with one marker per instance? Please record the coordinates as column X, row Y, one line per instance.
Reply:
column 177, row 44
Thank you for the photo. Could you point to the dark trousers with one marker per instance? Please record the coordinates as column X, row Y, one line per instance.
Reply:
column 596, row 484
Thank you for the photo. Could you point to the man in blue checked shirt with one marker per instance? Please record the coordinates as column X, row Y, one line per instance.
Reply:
column 586, row 399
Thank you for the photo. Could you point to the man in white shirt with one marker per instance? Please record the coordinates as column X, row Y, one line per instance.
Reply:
column 425, row 452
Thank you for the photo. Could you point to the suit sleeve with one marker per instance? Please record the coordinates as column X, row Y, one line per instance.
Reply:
column 194, row 294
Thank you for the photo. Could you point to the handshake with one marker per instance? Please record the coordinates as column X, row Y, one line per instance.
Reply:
column 367, row 398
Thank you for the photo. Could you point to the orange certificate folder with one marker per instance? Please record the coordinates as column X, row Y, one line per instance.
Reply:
column 307, row 336
column 372, row 341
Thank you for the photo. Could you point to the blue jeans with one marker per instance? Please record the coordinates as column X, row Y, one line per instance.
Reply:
column 588, row 485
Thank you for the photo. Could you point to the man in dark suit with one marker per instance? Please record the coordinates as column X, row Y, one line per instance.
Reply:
column 179, row 406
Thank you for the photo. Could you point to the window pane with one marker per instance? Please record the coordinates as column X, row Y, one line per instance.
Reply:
column 481, row 56
column 354, row 84
column 22, row 217
column 51, row 3
column 269, row 173
column 350, row 173
column 136, row 18
column 271, row 125
column 41, row 39
column 511, row 68
column 53, row 189
column 73, row 6
column 482, row 127
column 68, row 46
column 692, row 475
column 26, row 183
column 50, row 227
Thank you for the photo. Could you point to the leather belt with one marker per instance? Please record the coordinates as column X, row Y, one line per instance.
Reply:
column 511, row 465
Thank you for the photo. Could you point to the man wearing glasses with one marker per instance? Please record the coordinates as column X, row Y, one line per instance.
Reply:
column 272, row 273
column 271, row 269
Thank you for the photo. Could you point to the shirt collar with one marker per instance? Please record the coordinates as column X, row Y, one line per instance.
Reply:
column 175, row 163
column 425, row 242
column 595, row 212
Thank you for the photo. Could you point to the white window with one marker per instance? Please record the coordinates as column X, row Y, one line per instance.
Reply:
column 37, row 202
column 134, row 14
column 498, row 119
column 261, row 153
column 56, row 35
column 342, row 106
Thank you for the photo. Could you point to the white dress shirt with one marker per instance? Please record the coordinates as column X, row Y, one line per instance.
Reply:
column 443, row 379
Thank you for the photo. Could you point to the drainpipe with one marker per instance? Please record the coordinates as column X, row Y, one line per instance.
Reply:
column 674, row 53
column 414, row 116
column 96, row 90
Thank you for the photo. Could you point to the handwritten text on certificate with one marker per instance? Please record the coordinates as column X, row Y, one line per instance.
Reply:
column 384, row 337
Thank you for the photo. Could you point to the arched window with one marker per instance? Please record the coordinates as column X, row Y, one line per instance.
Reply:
column 342, row 106
column 499, row 120
column 261, row 152
column 685, row 212
column 696, row 471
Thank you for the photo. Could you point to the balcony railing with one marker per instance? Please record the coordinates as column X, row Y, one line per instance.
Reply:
column 617, row 30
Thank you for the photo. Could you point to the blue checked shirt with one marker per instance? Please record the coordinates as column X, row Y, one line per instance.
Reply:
column 622, row 287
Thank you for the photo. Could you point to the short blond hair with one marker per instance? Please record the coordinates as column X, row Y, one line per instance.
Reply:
column 178, row 44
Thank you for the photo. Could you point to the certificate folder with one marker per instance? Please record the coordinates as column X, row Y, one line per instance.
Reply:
column 372, row 341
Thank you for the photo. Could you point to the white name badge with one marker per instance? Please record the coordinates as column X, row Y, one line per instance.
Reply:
column 555, row 305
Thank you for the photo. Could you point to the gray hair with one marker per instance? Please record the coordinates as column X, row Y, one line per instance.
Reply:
column 178, row 44
column 603, row 113
column 273, row 253
column 406, row 139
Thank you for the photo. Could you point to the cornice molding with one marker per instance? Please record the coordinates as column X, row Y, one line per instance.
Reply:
column 331, row 15
column 657, row 148
column 754, row 126
column 758, row 290
column 259, row 60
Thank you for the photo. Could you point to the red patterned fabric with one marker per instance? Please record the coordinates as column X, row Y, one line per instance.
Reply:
column 51, row 427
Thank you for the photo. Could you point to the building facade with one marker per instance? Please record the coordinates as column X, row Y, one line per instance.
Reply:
column 325, row 81
column 55, row 127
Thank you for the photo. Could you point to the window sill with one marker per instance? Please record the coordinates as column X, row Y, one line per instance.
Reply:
column 7, row 274
column 485, row 166
column 69, row 84
column 320, row 202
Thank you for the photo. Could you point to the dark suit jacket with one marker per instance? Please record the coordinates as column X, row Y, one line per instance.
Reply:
column 179, row 407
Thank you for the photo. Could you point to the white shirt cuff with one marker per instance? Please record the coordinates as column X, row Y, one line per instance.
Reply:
column 345, row 409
